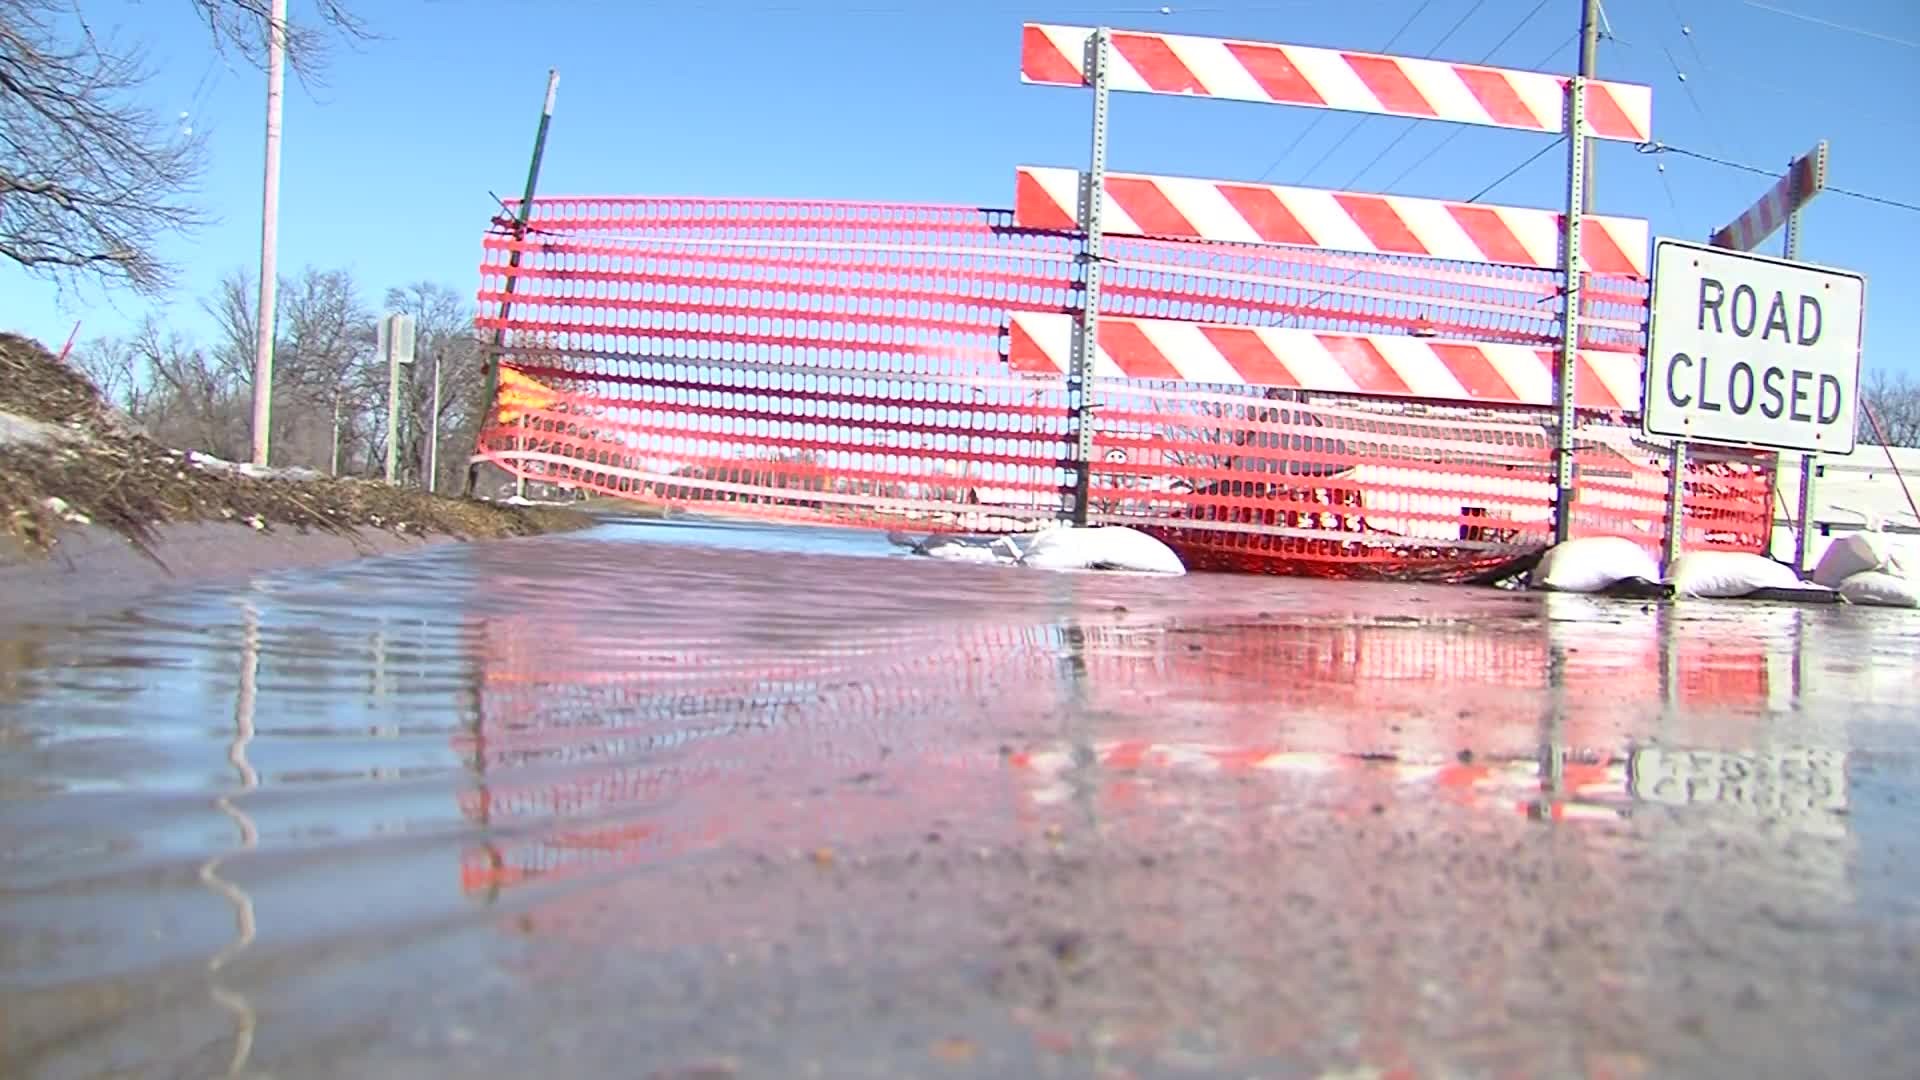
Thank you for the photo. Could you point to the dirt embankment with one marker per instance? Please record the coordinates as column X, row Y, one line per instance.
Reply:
column 73, row 469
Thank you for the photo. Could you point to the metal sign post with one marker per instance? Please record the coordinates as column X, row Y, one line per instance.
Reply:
column 1808, row 180
column 1676, row 502
column 1086, row 335
column 1567, row 363
column 396, row 336
column 1806, row 177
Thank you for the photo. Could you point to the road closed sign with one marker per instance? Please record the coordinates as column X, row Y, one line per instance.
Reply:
column 1750, row 350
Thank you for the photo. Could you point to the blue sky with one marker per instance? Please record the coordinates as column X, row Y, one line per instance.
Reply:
column 387, row 167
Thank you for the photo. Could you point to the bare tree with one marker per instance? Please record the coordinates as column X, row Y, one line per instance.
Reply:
column 115, row 368
column 242, row 24
column 232, row 308
column 330, row 396
column 1895, row 400
column 196, row 402
column 89, row 178
column 325, row 393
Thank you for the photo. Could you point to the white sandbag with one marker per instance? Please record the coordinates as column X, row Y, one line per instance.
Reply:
column 1876, row 588
column 1729, row 574
column 1104, row 547
column 1858, row 553
column 1592, row 563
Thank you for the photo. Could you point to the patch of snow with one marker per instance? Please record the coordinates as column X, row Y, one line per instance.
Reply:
column 18, row 430
column 64, row 510
column 249, row 469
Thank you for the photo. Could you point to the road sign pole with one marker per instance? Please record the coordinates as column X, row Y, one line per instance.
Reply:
column 1803, row 526
column 1676, row 502
column 1803, row 533
column 1086, row 330
column 1573, row 267
column 1782, row 203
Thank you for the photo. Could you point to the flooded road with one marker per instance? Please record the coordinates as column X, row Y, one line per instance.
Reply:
column 677, row 801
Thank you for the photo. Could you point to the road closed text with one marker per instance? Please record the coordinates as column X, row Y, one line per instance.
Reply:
column 1751, row 350
column 1712, row 384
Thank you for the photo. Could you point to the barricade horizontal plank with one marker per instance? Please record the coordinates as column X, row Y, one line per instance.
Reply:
column 1188, row 208
column 1377, row 364
column 1186, row 65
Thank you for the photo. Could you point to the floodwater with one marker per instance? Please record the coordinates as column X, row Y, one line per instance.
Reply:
column 677, row 801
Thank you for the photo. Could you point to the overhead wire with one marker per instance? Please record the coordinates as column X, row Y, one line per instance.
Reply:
column 1686, row 30
column 1355, row 126
column 1323, row 114
column 1832, row 25
column 1510, row 173
column 1665, row 148
column 1461, row 130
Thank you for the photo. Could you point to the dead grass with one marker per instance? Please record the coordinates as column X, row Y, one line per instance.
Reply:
column 104, row 470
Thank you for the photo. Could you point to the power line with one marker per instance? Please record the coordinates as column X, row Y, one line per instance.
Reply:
column 1509, row 174
column 1456, row 133
column 1686, row 31
column 1409, row 129
column 1517, row 27
column 1831, row 25
column 1458, row 26
column 1297, row 139
column 1664, row 148
column 1680, row 76
column 1331, row 150
column 1459, row 131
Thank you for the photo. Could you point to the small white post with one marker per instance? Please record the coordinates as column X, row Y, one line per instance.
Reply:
column 433, row 430
column 396, row 345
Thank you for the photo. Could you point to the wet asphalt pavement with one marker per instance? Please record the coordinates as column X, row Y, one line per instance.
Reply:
column 678, row 802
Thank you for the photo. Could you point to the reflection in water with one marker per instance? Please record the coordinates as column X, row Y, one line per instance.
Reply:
column 249, row 836
column 1068, row 822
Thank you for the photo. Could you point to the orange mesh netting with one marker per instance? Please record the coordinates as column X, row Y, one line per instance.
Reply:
column 850, row 364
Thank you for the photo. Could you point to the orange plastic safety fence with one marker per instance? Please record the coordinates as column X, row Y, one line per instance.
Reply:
column 847, row 363
column 1281, row 482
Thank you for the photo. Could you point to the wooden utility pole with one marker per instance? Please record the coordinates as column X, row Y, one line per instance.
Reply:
column 269, row 238
column 1589, row 49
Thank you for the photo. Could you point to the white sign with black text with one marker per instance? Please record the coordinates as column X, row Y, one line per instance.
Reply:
column 1751, row 350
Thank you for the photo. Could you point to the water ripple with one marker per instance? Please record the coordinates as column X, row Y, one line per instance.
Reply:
column 664, row 740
